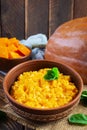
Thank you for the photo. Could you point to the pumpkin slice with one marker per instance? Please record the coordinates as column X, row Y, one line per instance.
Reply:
column 14, row 41
column 13, row 55
column 3, row 52
column 23, row 49
column 12, row 47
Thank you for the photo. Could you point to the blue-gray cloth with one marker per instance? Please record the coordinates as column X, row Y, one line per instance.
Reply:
column 37, row 53
column 37, row 43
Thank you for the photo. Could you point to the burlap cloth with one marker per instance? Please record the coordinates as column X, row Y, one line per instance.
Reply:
column 56, row 125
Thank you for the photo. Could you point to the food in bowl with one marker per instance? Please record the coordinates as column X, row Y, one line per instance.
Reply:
column 12, row 53
column 39, row 114
column 33, row 89
column 11, row 48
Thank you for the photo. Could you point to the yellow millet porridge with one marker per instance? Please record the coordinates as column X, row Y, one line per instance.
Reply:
column 31, row 89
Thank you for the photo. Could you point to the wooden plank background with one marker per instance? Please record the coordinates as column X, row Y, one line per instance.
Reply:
column 60, row 11
column 37, row 17
column 12, row 18
column 22, row 18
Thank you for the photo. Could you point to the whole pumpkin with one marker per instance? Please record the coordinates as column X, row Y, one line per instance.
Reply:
column 68, row 44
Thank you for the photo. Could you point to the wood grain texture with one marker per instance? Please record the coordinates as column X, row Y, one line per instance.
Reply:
column 27, row 17
column 80, row 8
column 9, row 124
column 12, row 18
column 37, row 17
column 26, row 128
column 0, row 18
column 60, row 11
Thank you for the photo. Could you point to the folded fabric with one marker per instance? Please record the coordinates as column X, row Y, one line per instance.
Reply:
column 37, row 53
column 35, row 41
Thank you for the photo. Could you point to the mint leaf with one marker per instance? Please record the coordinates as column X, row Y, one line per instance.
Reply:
column 84, row 94
column 52, row 74
column 84, row 98
column 78, row 119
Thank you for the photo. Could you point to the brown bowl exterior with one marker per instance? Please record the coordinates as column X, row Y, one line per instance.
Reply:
column 7, row 64
column 39, row 114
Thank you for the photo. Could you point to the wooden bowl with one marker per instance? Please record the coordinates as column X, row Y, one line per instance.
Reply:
column 42, row 115
column 7, row 64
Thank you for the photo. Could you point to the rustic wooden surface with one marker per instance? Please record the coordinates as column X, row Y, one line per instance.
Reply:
column 60, row 11
column 12, row 18
column 80, row 8
column 22, row 18
column 37, row 17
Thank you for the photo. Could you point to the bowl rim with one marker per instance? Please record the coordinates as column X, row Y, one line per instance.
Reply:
column 46, row 109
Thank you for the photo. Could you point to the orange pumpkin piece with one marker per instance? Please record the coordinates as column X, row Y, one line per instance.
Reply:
column 12, row 48
column 23, row 49
column 3, row 41
column 3, row 52
column 14, row 41
column 13, row 55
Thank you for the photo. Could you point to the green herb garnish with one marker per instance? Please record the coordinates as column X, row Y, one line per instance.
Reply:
column 78, row 119
column 52, row 74
column 84, row 98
